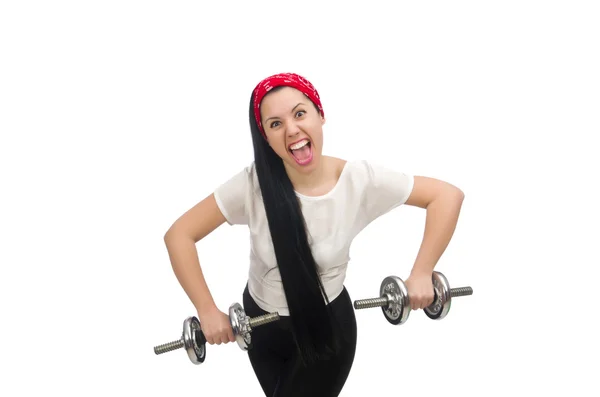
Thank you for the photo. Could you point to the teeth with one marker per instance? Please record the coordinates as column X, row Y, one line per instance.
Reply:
column 299, row 144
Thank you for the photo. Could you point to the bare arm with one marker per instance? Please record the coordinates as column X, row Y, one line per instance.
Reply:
column 442, row 202
column 181, row 239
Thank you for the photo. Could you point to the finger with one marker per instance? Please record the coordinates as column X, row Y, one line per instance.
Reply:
column 434, row 296
column 225, row 337
column 417, row 304
column 431, row 300
column 424, row 302
column 206, row 336
column 231, row 337
column 414, row 303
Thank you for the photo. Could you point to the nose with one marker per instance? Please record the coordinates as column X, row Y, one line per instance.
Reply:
column 292, row 128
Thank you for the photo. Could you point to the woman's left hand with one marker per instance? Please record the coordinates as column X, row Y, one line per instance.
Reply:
column 420, row 290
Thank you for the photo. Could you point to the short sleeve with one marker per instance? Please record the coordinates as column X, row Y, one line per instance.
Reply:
column 384, row 190
column 231, row 198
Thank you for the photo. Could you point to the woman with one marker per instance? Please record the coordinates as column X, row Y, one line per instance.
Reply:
column 303, row 210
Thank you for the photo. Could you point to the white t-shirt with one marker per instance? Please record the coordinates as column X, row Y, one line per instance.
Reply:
column 363, row 192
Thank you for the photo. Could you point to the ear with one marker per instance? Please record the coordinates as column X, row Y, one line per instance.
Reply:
column 323, row 120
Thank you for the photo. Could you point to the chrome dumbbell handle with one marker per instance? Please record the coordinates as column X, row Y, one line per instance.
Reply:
column 242, row 325
column 194, row 341
column 168, row 347
column 394, row 301
column 383, row 301
column 201, row 339
column 370, row 303
column 461, row 291
column 262, row 320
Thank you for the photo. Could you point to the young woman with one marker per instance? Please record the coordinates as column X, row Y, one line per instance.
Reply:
column 303, row 209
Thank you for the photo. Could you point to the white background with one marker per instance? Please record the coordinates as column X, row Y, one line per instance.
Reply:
column 118, row 116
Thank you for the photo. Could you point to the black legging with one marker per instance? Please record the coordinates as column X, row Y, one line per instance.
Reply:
column 277, row 365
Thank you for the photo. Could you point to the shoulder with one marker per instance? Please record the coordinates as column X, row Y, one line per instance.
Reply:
column 340, row 166
column 377, row 178
column 240, row 182
column 233, row 196
column 247, row 173
column 361, row 169
column 372, row 168
column 252, row 178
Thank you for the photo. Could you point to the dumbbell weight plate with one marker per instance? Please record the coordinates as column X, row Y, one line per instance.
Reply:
column 194, row 342
column 240, row 326
column 440, row 307
column 398, row 308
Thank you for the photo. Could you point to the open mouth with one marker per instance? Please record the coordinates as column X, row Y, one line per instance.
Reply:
column 301, row 151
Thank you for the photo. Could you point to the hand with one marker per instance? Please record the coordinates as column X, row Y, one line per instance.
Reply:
column 420, row 290
column 215, row 326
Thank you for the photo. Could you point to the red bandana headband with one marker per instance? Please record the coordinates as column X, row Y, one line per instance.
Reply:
column 283, row 79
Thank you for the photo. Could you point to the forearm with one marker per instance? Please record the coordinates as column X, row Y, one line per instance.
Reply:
column 186, row 266
column 440, row 223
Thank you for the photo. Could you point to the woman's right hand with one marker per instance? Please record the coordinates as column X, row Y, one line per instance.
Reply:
column 216, row 327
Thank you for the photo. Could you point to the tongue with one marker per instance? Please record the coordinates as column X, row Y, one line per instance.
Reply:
column 303, row 153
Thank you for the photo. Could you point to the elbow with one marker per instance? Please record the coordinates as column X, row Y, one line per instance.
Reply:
column 457, row 194
column 460, row 195
column 175, row 234
column 170, row 234
column 452, row 196
column 457, row 198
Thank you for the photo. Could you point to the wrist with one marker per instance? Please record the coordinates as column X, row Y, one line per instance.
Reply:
column 421, row 271
column 205, row 307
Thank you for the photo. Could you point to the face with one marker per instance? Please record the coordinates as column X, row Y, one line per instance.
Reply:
column 294, row 128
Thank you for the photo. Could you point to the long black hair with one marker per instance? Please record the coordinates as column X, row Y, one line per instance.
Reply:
column 311, row 318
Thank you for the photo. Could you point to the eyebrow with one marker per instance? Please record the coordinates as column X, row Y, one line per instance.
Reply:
column 274, row 117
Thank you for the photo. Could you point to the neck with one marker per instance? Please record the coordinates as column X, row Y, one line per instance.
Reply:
column 308, row 180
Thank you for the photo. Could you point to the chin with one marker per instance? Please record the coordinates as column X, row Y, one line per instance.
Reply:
column 303, row 167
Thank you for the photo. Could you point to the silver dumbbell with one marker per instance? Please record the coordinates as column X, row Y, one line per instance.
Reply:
column 395, row 304
column 194, row 341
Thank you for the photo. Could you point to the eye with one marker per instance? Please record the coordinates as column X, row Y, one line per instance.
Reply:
column 299, row 113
